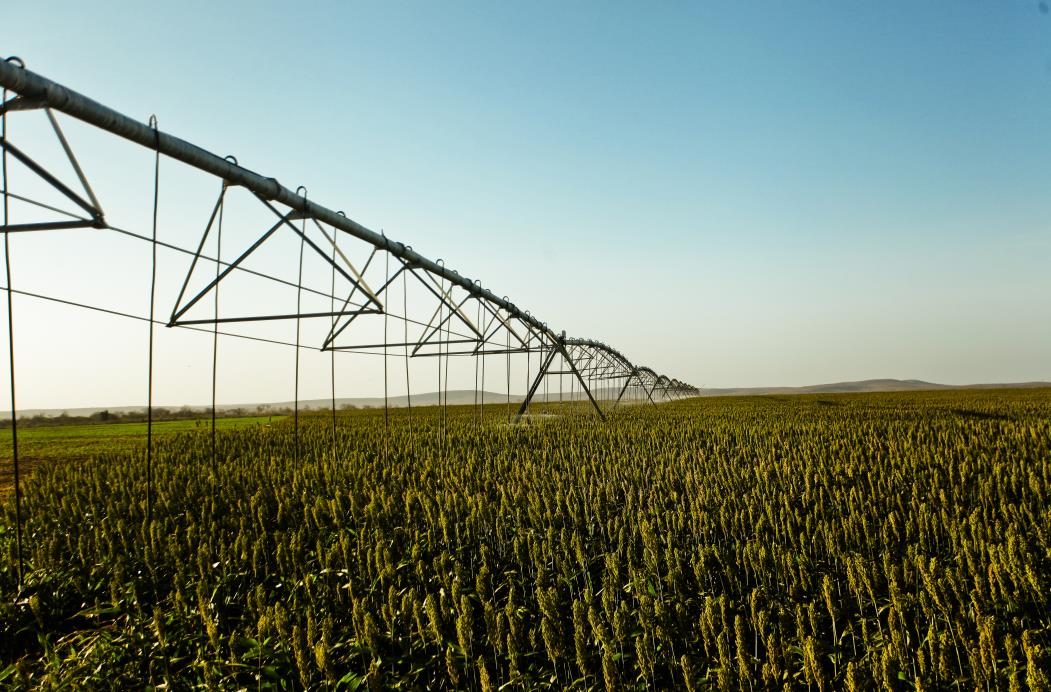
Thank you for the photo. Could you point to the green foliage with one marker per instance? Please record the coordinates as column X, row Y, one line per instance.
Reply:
column 856, row 541
column 66, row 441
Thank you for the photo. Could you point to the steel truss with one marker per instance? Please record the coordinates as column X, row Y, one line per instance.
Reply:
column 463, row 319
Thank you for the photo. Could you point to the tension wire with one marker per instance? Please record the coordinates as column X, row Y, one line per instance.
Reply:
column 11, row 350
column 153, row 294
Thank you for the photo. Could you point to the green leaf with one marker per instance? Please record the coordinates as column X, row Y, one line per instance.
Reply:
column 351, row 680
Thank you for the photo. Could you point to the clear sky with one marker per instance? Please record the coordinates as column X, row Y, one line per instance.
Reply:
column 735, row 194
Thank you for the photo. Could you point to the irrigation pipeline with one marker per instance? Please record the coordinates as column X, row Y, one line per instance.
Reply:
column 43, row 92
column 34, row 92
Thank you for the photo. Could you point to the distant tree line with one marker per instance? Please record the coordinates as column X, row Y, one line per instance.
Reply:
column 139, row 416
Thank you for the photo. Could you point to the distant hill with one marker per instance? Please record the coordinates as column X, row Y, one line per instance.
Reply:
column 885, row 385
column 454, row 397
column 467, row 396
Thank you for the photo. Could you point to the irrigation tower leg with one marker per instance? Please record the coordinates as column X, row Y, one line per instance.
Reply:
column 622, row 390
column 583, row 384
column 536, row 384
column 649, row 393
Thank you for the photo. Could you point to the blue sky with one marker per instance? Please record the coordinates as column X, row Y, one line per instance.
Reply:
column 734, row 193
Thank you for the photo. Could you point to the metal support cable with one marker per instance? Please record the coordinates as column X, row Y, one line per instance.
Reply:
column 332, row 352
column 441, row 408
column 478, row 411
column 481, row 413
column 528, row 367
column 36, row 203
column 405, row 308
column 206, row 258
column 215, row 327
column 445, row 388
column 299, row 307
column 11, row 347
column 153, row 302
column 438, row 391
column 547, row 387
column 386, row 402
column 508, row 377
column 128, row 315
column 562, row 357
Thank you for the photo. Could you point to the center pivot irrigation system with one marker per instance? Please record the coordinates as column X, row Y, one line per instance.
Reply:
column 467, row 319
column 340, row 273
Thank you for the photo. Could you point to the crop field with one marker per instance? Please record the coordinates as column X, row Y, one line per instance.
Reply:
column 876, row 541
column 75, row 443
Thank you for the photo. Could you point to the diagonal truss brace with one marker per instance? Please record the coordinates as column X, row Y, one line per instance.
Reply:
column 286, row 219
column 90, row 205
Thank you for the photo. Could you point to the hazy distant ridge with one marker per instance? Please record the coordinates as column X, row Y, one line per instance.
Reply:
column 885, row 385
column 467, row 396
